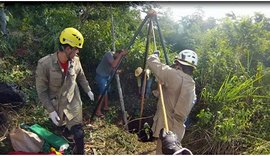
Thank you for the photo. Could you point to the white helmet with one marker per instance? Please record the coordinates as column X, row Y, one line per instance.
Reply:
column 187, row 57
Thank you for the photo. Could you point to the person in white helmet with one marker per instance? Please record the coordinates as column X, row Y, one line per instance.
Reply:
column 178, row 92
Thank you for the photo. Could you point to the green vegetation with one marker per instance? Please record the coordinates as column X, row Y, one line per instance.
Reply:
column 232, row 112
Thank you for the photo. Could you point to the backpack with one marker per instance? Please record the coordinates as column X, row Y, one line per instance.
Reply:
column 11, row 94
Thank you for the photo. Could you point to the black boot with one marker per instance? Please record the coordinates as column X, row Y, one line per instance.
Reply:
column 79, row 146
column 67, row 135
column 78, row 136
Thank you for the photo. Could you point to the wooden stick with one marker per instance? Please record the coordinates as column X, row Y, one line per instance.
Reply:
column 163, row 107
column 142, row 101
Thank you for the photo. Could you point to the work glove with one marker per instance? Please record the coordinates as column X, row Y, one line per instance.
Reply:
column 156, row 53
column 183, row 151
column 91, row 95
column 171, row 144
column 55, row 118
column 147, row 71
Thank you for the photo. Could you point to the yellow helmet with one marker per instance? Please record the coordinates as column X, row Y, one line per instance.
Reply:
column 72, row 37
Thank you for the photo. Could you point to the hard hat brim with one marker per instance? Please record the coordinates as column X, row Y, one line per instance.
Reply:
column 185, row 63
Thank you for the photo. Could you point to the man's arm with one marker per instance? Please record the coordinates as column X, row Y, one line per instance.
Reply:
column 159, row 69
column 116, row 61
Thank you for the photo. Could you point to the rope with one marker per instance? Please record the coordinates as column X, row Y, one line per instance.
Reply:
column 154, row 38
column 139, row 119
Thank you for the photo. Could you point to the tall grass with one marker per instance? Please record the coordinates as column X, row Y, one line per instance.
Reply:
column 228, row 113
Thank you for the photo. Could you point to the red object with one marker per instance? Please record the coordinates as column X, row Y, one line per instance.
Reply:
column 64, row 66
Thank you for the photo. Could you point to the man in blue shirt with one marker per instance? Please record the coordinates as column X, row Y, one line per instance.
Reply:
column 109, row 62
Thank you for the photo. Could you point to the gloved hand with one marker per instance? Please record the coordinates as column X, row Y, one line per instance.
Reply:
column 91, row 95
column 147, row 71
column 55, row 118
column 170, row 142
column 156, row 53
column 183, row 151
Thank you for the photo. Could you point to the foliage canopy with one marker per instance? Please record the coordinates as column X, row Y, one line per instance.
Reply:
column 232, row 78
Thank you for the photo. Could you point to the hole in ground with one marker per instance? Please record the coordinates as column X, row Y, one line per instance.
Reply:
column 145, row 134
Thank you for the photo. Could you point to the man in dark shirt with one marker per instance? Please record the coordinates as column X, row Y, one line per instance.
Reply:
column 103, row 72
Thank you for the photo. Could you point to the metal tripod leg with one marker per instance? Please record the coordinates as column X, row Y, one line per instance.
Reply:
column 162, row 42
column 144, row 80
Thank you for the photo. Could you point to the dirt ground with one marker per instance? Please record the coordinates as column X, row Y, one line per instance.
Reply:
column 102, row 136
